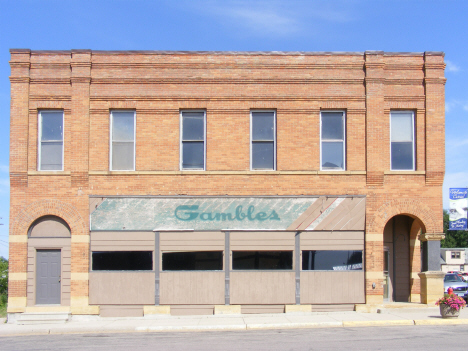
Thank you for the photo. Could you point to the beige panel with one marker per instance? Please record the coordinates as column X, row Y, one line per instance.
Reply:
column 262, row 241
column 64, row 244
column 341, row 240
column 50, row 228
column 330, row 287
column 262, row 288
column 191, row 288
column 191, row 241
column 312, row 208
column 94, row 203
column 121, row 311
column 188, row 310
column 321, row 204
column 122, row 241
column 121, row 288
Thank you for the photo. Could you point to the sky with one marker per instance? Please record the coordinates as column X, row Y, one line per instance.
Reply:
column 227, row 25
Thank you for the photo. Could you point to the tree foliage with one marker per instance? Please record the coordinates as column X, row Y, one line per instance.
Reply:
column 3, row 276
column 453, row 238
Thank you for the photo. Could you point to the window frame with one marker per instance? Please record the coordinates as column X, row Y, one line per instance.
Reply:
column 413, row 141
column 39, row 140
column 333, row 140
column 181, row 140
column 260, row 251
column 253, row 141
column 362, row 269
column 111, row 125
column 192, row 270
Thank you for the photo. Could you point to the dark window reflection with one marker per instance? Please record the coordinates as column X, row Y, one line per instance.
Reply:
column 331, row 260
column 192, row 261
column 122, row 261
column 262, row 260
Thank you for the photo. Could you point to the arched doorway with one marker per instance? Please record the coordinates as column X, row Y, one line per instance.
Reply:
column 401, row 257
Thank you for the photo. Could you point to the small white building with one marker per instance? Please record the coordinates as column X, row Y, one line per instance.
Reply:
column 454, row 259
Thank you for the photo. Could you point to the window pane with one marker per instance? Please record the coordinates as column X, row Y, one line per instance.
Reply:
column 263, row 125
column 262, row 260
column 402, row 156
column 122, row 261
column 52, row 126
column 192, row 261
column 193, row 154
column 123, row 126
column 263, row 155
column 332, row 155
column 51, row 156
column 193, row 126
column 402, row 127
column 332, row 125
column 122, row 156
column 331, row 260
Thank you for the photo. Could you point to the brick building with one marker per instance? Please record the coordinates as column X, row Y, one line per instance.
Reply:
column 148, row 182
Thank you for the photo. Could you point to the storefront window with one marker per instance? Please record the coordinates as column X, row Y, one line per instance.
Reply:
column 192, row 261
column 122, row 261
column 262, row 260
column 329, row 260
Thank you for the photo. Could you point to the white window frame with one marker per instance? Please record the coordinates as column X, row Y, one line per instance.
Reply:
column 39, row 140
column 274, row 141
column 413, row 141
column 181, row 141
column 334, row 140
column 110, row 140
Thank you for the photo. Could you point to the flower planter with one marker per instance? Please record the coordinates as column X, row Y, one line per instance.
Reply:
column 448, row 312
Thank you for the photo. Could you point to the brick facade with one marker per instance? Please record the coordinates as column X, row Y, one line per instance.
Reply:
column 87, row 85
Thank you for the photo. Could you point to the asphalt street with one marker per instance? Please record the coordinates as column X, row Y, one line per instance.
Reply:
column 425, row 338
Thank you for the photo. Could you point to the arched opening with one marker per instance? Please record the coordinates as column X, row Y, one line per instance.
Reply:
column 49, row 227
column 401, row 257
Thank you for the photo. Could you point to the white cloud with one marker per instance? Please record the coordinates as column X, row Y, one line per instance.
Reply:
column 269, row 18
column 451, row 67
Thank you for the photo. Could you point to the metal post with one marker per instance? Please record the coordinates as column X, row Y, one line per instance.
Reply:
column 297, row 253
column 227, row 268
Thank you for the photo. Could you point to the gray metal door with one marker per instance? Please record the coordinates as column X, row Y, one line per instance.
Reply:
column 48, row 277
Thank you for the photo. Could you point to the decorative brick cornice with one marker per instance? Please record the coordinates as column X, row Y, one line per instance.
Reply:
column 374, row 80
column 20, row 64
column 50, row 80
column 49, row 98
column 405, row 98
column 20, row 79
column 403, row 67
column 80, row 64
column 229, row 98
column 225, row 80
column 430, row 65
column 435, row 81
column 86, row 80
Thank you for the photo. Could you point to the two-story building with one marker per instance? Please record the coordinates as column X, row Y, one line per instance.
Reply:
column 147, row 182
column 454, row 259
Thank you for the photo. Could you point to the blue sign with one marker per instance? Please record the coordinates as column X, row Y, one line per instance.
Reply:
column 458, row 209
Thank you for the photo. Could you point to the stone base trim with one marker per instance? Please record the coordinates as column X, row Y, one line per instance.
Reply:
column 79, row 276
column 374, row 275
column 432, row 286
column 297, row 308
column 416, row 298
column 149, row 310
column 80, row 238
column 18, row 276
column 16, row 304
column 374, row 237
column 374, row 300
column 227, row 309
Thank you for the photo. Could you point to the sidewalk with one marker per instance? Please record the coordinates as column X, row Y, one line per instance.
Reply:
column 390, row 317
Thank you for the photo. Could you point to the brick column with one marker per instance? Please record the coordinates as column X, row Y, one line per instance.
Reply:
column 79, row 166
column 19, row 121
column 434, row 82
column 377, row 135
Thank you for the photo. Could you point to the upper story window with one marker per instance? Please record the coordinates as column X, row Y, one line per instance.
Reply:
column 332, row 136
column 263, row 140
column 455, row 254
column 193, row 137
column 402, row 141
column 50, row 148
column 122, row 154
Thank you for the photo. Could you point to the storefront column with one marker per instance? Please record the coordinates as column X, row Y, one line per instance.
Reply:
column 432, row 279
column 156, row 268
column 297, row 253
column 227, row 269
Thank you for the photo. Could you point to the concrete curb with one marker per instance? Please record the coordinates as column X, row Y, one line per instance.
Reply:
column 237, row 327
